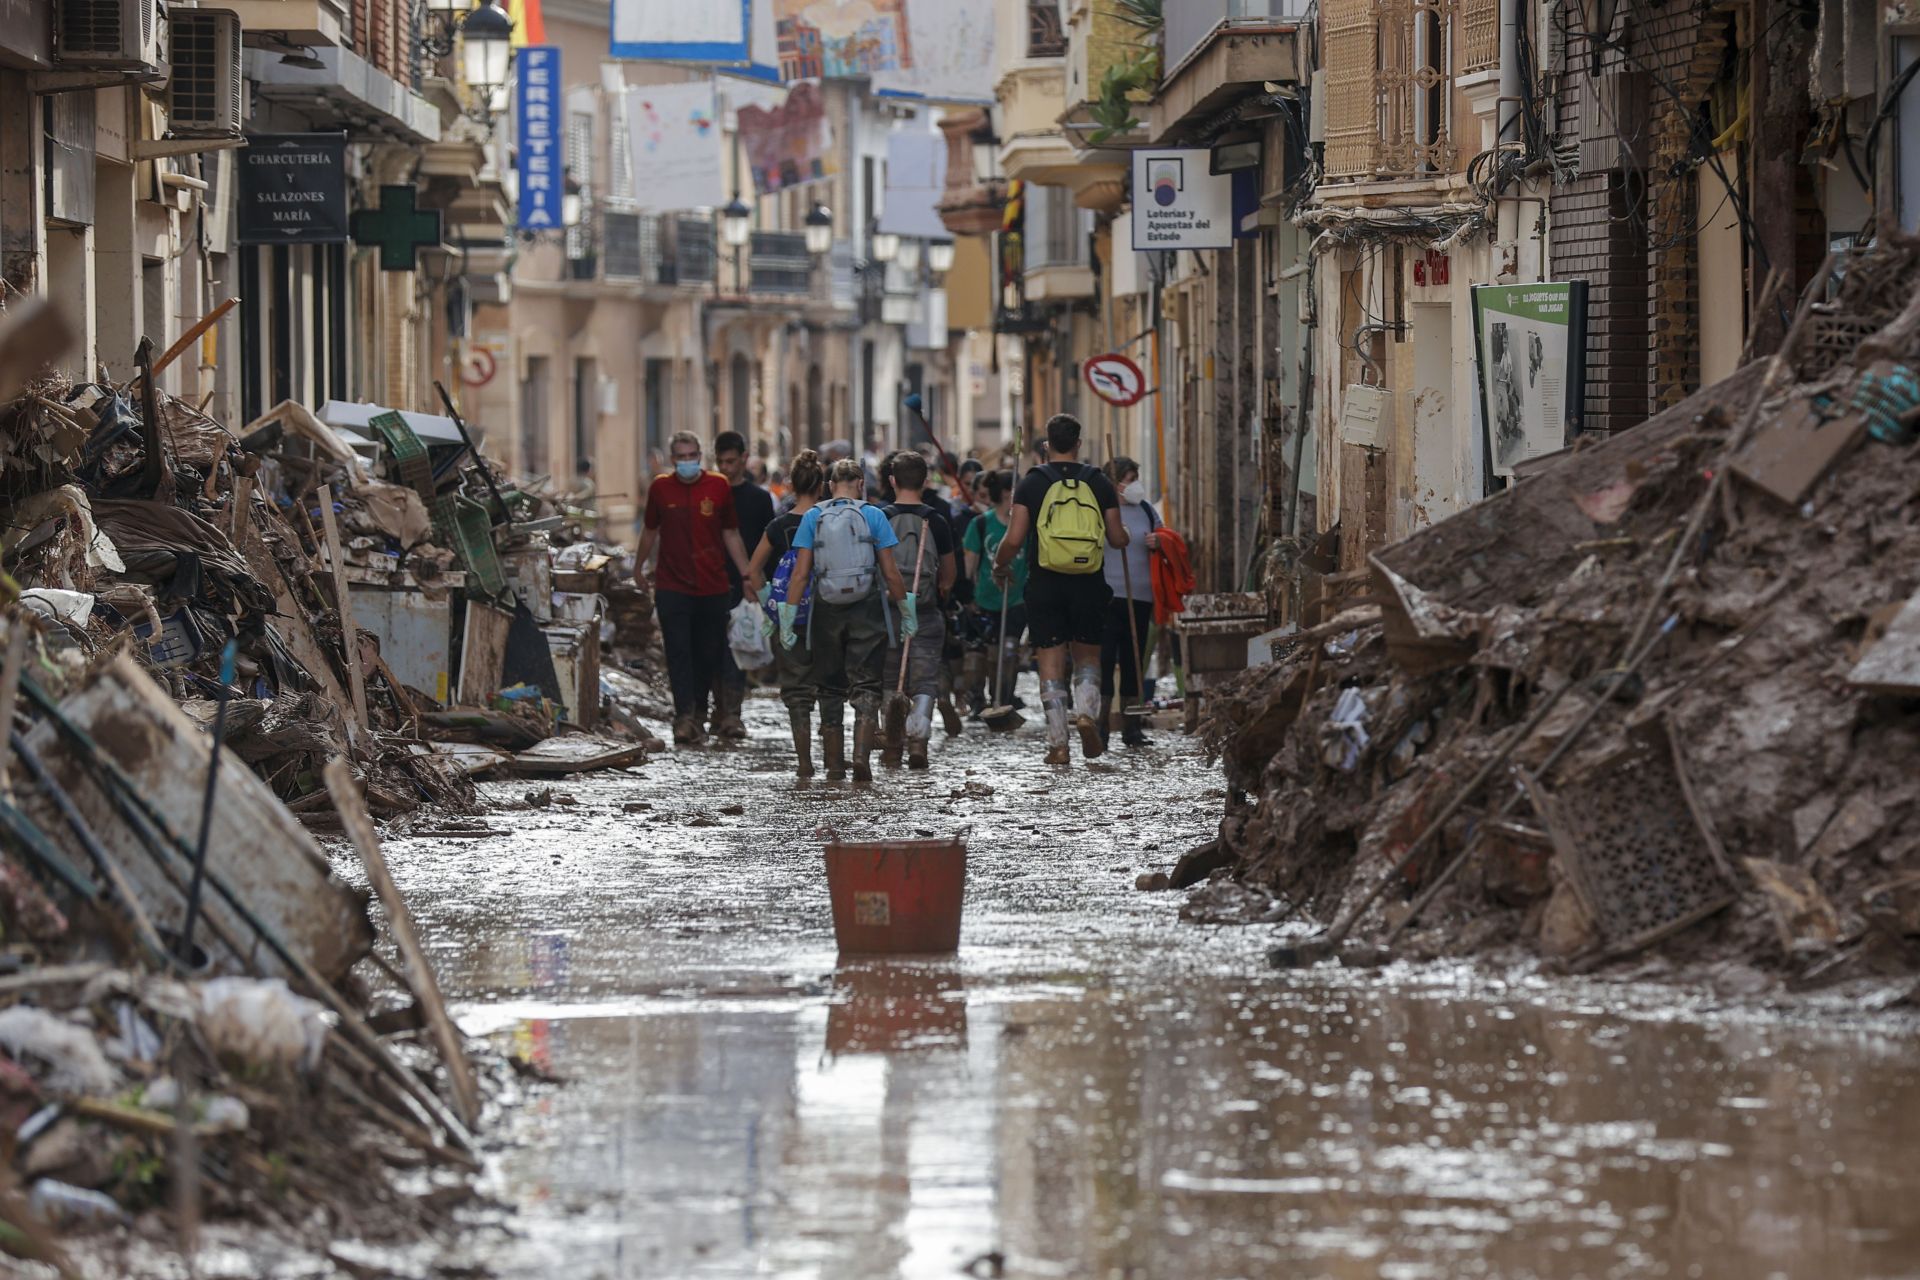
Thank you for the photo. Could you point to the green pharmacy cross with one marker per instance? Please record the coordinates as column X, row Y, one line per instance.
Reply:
column 397, row 227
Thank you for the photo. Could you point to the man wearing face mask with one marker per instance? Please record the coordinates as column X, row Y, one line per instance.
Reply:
column 690, row 517
column 1130, row 574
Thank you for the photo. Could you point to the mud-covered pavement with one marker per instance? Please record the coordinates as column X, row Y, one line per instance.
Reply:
column 1091, row 1088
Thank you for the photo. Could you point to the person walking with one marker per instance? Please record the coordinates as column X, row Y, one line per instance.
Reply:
column 845, row 555
column 690, row 519
column 926, row 558
column 985, row 532
column 1065, row 515
column 753, row 507
column 1129, row 575
column 771, row 572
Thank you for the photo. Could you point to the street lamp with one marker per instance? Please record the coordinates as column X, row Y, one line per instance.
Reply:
column 908, row 255
column 486, row 40
column 736, row 222
column 940, row 257
column 819, row 230
column 884, row 245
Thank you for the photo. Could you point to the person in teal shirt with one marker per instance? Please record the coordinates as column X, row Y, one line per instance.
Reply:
column 982, row 540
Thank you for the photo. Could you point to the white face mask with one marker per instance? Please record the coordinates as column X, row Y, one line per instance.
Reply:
column 1134, row 494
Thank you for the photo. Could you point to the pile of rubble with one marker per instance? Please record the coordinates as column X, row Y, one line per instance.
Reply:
column 211, row 644
column 1664, row 692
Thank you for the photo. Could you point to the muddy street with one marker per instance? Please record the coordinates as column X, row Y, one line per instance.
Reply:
column 1092, row 1088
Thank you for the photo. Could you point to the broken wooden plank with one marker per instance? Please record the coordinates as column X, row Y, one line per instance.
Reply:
column 577, row 753
column 256, row 845
column 1892, row 664
column 475, row 759
column 343, row 598
column 1794, row 452
column 420, row 977
column 483, row 653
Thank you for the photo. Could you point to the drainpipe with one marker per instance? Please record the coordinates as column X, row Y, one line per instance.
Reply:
column 1507, row 124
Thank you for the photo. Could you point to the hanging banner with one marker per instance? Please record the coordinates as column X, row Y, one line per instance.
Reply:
column 1530, row 341
column 789, row 144
column 541, row 162
column 1178, row 203
column 941, row 49
column 916, row 180
column 707, row 31
column 678, row 161
column 293, row 189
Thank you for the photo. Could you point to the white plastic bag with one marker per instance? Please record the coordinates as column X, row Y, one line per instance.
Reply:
column 747, row 636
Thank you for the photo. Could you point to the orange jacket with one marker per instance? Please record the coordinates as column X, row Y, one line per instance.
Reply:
column 1172, row 576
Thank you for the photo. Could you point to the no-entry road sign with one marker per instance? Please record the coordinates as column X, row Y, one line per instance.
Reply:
column 1115, row 379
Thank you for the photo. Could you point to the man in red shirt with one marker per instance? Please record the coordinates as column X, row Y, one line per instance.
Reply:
column 690, row 517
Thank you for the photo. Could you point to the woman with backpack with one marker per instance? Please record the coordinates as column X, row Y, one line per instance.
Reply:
column 844, row 554
column 925, row 555
column 799, row 688
column 1129, row 573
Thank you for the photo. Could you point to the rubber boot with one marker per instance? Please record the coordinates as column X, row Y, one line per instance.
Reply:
column 866, row 728
column 833, row 745
column 919, row 730
column 1086, row 706
column 687, row 732
column 1053, row 699
column 1106, row 721
column 950, row 716
column 893, row 739
column 1134, row 731
column 802, row 722
column 727, row 722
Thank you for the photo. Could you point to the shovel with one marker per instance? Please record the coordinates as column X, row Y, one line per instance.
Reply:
column 1003, row 718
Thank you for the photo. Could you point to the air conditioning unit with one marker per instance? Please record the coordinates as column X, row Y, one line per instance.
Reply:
column 204, row 91
column 105, row 34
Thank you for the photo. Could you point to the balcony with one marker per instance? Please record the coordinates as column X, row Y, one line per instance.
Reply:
column 1033, row 97
column 344, row 91
column 778, row 263
column 1059, row 246
column 268, row 23
column 666, row 249
column 1217, row 52
column 1097, row 41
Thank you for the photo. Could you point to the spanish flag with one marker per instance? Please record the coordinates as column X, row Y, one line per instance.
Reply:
column 529, row 26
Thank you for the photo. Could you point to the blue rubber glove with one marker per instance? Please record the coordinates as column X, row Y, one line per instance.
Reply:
column 789, row 614
column 910, row 617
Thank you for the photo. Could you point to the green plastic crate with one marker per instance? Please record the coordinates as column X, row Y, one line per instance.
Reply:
column 410, row 459
column 463, row 524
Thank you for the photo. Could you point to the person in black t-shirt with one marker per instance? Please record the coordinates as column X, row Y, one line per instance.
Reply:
column 1066, row 611
column 799, row 687
column 754, row 508
column 930, row 570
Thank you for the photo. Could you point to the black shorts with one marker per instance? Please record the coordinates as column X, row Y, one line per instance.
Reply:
column 1066, row 608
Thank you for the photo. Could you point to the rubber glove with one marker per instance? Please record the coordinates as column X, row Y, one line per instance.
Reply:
column 766, row 592
column 789, row 614
column 910, row 616
column 1002, row 575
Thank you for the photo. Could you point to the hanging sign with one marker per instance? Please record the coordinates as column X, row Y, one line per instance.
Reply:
column 1178, row 203
column 293, row 189
column 1115, row 379
column 541, row 160
column 1531, row 342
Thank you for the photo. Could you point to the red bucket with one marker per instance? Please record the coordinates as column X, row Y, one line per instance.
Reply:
column 896, row 897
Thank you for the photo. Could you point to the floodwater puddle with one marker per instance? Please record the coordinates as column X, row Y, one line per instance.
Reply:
column 1090, row 1088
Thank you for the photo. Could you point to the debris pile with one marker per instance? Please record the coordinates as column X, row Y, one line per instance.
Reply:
column 1665, row 690
column 214, row 643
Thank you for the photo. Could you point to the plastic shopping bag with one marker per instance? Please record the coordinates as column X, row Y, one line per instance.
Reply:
column 747, row 636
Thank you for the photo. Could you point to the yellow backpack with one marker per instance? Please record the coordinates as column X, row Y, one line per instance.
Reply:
column 1073, row 532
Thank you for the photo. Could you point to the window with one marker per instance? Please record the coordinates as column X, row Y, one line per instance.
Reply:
column 656, row 409
column 579, row 169
column 1046, row 34
column 586, row 407
column 1389, row 69
column 533, row 417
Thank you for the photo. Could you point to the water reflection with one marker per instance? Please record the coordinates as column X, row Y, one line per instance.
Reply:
column 1090, row 1089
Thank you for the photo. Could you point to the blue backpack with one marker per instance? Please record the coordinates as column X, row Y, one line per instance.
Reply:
column 781, row 580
